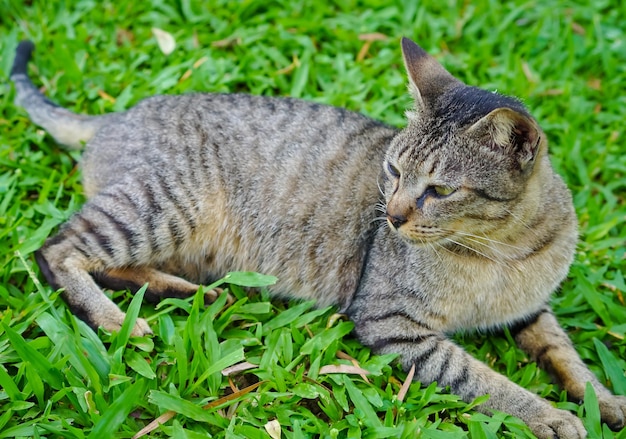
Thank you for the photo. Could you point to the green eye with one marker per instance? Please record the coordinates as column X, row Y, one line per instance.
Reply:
column 444, row 191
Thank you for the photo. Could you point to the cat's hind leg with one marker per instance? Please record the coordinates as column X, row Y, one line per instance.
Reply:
column 67, row 266
column 160, row 285
column 109, row 233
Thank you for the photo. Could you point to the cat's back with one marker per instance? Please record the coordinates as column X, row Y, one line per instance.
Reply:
column 247, row 132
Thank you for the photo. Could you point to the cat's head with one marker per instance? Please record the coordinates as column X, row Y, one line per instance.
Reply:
column 463, row 164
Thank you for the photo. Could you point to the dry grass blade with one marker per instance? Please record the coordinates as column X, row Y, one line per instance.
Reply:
column 155, row 424
column 368, row 38
column 407, row 383
column 170, row 414
column 344, row 356
column 232, row 396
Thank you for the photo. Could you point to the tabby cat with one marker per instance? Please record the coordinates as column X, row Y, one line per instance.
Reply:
column 456, row 222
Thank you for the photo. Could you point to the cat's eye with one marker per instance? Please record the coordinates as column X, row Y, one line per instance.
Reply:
column 444, row 191
column 393, row 171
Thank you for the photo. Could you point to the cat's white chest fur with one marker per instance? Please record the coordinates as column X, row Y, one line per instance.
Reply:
column 480, row 293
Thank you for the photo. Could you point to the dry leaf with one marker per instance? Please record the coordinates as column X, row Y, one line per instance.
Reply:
column 165, row 40
column 578, row 29
column 363, row 52
column 273, row 429
column 368, row 38
column 374, row 36
column 226, row 42
column 200, row 62
column 239, row 367
column 333, row 319
column 594, row 83
column 107, row 97
column 552, row 92
column 295, row 63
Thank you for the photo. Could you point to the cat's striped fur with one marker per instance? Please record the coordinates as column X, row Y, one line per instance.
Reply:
column 479, row 229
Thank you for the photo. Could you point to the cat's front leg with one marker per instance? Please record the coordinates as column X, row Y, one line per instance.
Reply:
column 436, row 358
column 546, row 342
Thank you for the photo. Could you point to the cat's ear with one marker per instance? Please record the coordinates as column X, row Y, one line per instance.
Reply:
column 428, row 79
column 510, row 131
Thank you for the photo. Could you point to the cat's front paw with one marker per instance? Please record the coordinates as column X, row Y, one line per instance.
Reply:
column 613, row 411
column 555, row 423
column 140, row 329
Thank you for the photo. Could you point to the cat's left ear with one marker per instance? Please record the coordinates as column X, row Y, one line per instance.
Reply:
column 510, row 131
column 428, row 79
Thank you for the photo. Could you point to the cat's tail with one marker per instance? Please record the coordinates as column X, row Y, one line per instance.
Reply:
column 69, row 129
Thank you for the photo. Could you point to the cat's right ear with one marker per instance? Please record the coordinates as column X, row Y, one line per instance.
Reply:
column 427, row 78
column 512, row 132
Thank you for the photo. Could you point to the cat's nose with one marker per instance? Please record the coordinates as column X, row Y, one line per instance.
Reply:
column 396, row 220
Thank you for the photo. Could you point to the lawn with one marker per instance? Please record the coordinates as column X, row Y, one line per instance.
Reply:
column 58, row 379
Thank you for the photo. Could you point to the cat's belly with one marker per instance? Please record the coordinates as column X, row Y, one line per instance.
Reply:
column 309, row 268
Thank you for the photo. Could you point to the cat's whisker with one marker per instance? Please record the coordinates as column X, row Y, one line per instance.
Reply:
column 480, row 238
column 379, row 218
column 432, row 246
column 444, row 248
column 504, row 255
column 484, row 255
column 380, row 189
column 381, row 207
column 519, row 220
column 382, row 225
column 492, row 248
column 491, row 244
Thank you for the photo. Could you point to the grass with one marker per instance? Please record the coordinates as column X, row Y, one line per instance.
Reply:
column 565, row 59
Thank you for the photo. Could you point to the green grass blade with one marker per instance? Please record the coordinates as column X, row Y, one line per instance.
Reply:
column 612, row 367
column 42, row 365
column 8, row 386
column 118, row 411
column 592, row 419
column 367, row 414
column 62, row 336
column 166, row 401
column 120, row 339
column 249, row 279
column 218, row 365
column 139, row 364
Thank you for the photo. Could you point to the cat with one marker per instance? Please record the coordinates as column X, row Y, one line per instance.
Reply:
column 456, row 222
